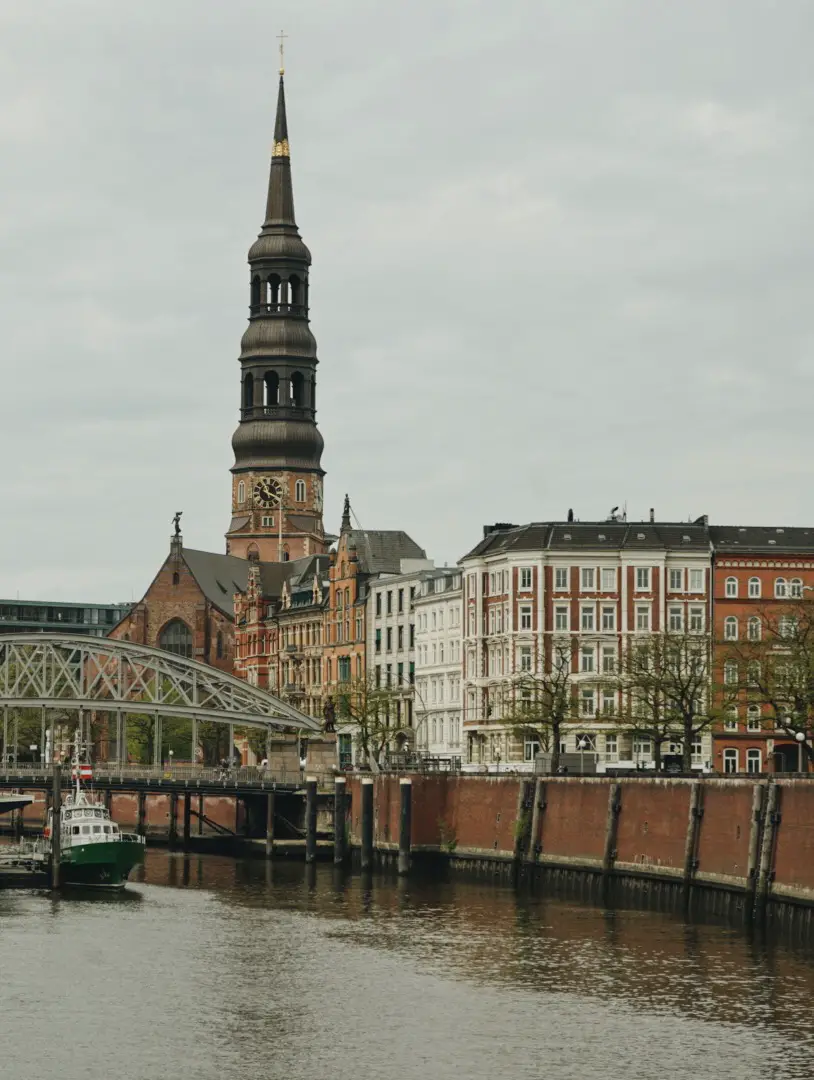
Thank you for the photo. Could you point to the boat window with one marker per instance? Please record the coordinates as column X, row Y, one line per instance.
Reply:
column 68, row 815
column 76, row 830
column 97, row 828
column 97, row 813
column 107, row 828
column 85, row 830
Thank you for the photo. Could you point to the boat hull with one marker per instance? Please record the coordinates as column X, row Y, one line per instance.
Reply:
column 106, row 865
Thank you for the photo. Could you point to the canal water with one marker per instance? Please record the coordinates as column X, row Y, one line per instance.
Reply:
column 222, row 970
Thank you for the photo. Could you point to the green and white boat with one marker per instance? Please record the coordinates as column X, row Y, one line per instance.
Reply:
column 93, row 849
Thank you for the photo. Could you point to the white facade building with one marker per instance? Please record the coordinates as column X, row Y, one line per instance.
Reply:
column 438, row 620
column 577, row 590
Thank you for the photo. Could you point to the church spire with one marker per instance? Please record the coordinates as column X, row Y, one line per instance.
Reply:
column 280, row 200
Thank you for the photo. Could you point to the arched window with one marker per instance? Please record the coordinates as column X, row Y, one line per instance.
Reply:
column 297, row 389
column 796, row 589
column 754, row 628
column 753, row 718
column 347, row 598
column 286, row 554
column 780, row 588
column 176, row 637
column 730, row 672
column 731, row 586
column 296, row 289
column 754, row 588
column 255, row 300
column 273, row 291
column 248, row 390
column 299, row 491
column 272, row 388
column 753, row 673
column 241, row 493
column 219, row 645
column 731, row 628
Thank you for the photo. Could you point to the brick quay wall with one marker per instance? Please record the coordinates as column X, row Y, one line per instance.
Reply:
column 751, row 839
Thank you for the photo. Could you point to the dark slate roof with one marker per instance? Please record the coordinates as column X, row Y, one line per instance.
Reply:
column 219, row 576
column 731, row 538
column 381, row 551
column 593, row 535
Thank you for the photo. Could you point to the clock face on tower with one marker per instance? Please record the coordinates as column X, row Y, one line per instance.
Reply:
column 268, row 492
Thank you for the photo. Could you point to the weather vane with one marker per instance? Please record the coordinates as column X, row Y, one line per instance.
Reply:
column 281, row 37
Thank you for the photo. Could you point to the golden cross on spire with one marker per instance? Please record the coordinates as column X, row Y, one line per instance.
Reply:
column 281, row 38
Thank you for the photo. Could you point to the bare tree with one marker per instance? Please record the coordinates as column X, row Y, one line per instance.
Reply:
column 666, row 689
column 769, row 663
column 373, row 715
column 541, row 699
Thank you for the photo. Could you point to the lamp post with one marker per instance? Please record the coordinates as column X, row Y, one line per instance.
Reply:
column 581, row 745
column 800, row 736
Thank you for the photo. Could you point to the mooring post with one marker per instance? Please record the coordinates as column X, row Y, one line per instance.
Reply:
column 771, row 820
column 200, row 815
column 173, row 819
column 536, row 814
column 56, row 824
column 367, row 823
column 187, row 819
column 340, row 814
column 405, row 824
column 310, row 819
column 694, row 816
column 611, row 829
column 758, row 797
column 142, row 813
column 269, row 824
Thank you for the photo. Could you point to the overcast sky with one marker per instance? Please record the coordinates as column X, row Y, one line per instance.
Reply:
column 562, row 258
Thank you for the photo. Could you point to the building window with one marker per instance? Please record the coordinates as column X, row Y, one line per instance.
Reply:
column 608, row 702
column 753, row 718
column 561, row 578
column 696, row 580
column 378, row 603
column 730, row 672
column 525, row 618
column 780, row 588
column 730, row 760
column 378, row 641
column 611, row 748
column 796, row 589
column 241, row 493
column 587, row 658
column 267, row 521
column 608, row 618
column 299, row 491
column 531, row 748
column 389, row 639
column 587, row 579
column 642, row 617
column 560, row 618
column 731, row 721
column 753, row 761
column 401, row 601
column 676, row 580
column 696, row 619
column 642, row 579
column 525, row 578
column 587, row 618
column 642, row 747
column 730, row 628
column 754, row 588
column 754, row 628
column 609, row 580
column 608, row 660
column 389, row 602
column 731, row 587
column 586, row 703
column 562, row 658
column 525, row 658
column 400, row 637
column 176, row 637
column 676, row 616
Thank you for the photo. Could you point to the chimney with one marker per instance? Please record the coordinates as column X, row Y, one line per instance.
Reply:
column 652, row 515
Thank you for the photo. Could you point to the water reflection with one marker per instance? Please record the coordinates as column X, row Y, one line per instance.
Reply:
column 271, row 969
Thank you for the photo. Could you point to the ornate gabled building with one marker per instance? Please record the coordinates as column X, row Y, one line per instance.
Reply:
column 277, row 474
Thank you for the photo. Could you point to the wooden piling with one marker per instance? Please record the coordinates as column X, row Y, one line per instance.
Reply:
column 56, row 824
column 187, row 820
column 141, row 827
column 367, row 823
column 173, row 837
column 405, row 825
column 340, row 815
column 753, row 860
column 269, row 824
column 771, row 820
column 611, row 830
column 310, row 819
column 694, row 816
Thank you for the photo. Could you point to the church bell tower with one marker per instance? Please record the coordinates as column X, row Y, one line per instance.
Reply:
column 277, row 474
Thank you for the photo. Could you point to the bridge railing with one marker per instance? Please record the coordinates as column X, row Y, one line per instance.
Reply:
column 245, row 776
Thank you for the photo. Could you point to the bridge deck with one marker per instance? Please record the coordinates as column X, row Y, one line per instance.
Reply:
column 204, row 781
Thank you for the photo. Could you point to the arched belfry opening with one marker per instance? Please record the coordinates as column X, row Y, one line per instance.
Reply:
column 248, row 390
column 273, row 292
column 298, row 389
column 272, row 384
column 255, row 299
column 295, row 284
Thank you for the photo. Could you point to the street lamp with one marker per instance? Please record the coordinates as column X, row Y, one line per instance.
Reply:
column 582, row 746
column 800, row 736
column 171, row 756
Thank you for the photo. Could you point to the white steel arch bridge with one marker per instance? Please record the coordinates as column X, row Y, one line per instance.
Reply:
column 66, row 673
